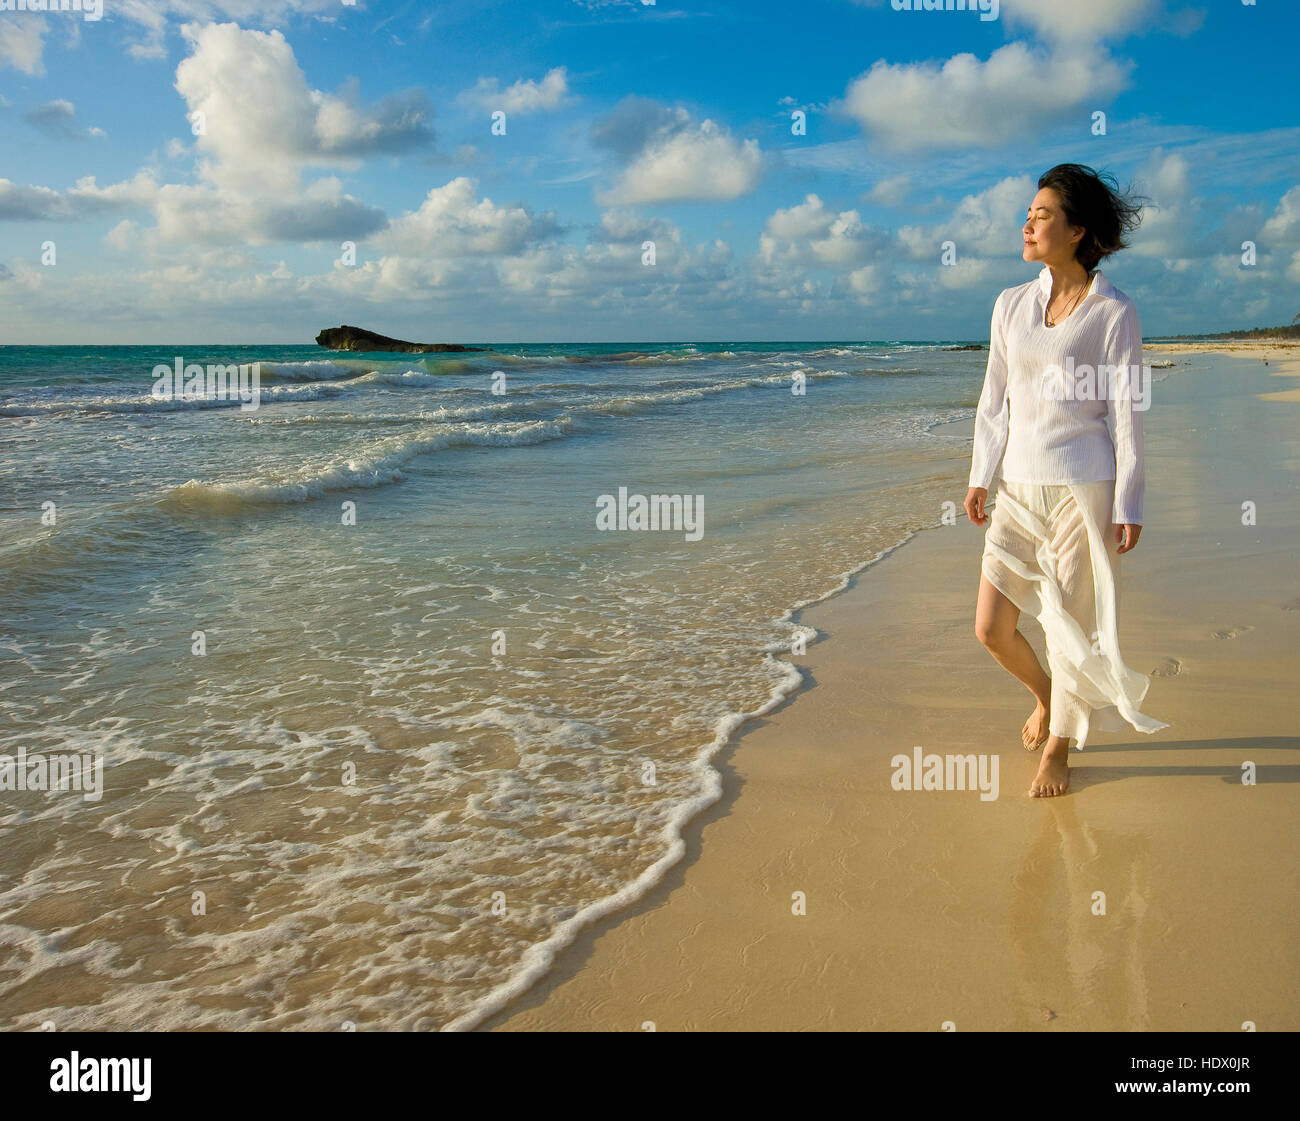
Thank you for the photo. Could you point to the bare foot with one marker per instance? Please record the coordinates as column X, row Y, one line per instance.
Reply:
column 1035, row 733
column 1053, row 776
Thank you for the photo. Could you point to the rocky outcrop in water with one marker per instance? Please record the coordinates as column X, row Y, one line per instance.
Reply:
column 359, row 339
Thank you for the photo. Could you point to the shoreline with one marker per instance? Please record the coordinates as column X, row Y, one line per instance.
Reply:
column 541, row 958
column 714, row 944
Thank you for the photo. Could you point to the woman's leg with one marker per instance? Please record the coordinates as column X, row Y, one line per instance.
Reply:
column 995, row 627
column 1070, row 714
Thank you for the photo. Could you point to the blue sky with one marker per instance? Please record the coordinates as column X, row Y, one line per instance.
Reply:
column 324, row 123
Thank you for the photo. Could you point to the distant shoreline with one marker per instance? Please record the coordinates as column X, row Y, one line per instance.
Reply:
column 1271, row 334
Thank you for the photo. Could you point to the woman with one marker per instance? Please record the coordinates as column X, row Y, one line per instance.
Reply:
column 1065, row 353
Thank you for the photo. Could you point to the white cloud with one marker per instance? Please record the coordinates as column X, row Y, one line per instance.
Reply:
column 985, row 224
column 524, row 96
column 22, row 43
column 1293, row 275
column 20, row 203
column 1284, row 224
column 453, row 221
column 967, row 103
column 689, row 163
column 260, row 119
column 121, row 235
column 153, row 16
column 634, row 123
column 1079, row 21
column 1192, row 237
column 610, row 276
column 802, row 243
column 627, row 225
column 56, row 119
column 972, row 273
column 319, row 212
column 813, row 259
column 201, row 214
column 262, row 126
column 1173, row 223
column 814, row 236
column 1280, row 237
column 870, row 280
column 892, row 191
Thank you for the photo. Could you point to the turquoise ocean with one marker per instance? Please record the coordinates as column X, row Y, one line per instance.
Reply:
column 384, row 717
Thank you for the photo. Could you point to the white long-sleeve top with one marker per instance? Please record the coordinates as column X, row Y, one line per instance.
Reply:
column 1046, row 436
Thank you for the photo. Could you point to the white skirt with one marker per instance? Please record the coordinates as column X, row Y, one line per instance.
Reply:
column 1051, row 550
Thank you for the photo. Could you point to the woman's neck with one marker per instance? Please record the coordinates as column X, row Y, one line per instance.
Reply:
column 1066, row 277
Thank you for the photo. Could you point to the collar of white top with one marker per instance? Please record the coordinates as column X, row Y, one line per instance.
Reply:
column 1100, row 285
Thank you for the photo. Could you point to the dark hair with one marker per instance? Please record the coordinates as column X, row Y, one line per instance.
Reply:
column 1092, row 200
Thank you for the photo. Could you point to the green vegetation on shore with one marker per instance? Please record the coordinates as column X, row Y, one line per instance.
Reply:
column 1291, row 332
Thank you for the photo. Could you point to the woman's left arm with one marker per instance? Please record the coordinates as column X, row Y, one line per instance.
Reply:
column 1127, row 400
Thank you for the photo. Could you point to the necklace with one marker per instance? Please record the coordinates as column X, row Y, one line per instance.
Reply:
column 1077, row 296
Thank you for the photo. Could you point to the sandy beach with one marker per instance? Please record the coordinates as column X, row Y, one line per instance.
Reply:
column 1159, row 894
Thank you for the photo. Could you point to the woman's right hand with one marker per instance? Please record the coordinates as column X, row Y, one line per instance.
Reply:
column 975, row 499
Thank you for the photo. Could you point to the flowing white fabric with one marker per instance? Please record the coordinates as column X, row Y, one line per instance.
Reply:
column 1051, row 550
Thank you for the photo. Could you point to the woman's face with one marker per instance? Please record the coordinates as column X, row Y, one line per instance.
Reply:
column 1048, row 237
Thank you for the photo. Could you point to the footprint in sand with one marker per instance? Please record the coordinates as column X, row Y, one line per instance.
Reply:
column 1168, row 667
column 1232, row 632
